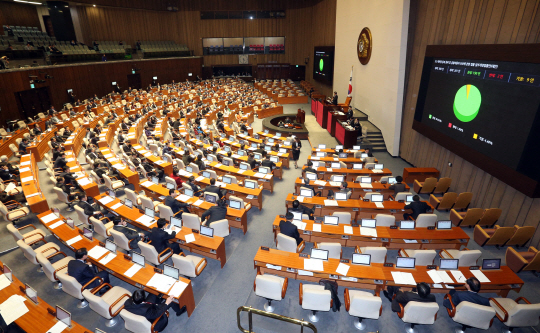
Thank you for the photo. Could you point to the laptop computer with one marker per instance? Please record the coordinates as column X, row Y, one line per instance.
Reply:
column 235, row 204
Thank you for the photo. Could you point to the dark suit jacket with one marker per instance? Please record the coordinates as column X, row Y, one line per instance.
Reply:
column 81, row 272
column 418, row 207
column 405, row 297
column 268, row 163
column 5, row 175
column 213, row 189
column 334, row 100
column 466, row 296
column 88, row 209
column 150, row 311
column 215, row 213
column 310, row 169
column 128, row 232
column 160, row 238
column 175, row 205
column 60, row 163
column 289, row 229
column 398, row 187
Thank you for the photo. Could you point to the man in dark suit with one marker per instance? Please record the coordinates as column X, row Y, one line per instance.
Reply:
column 310, row 168
column 83, row 272
column 289, row 229
column 311, row 187
column 251, row 161
column 212, row 188
column 11, row 168
column 196, row 189
column 60, row 162
column 418, row 207
column 5, row 174
column 132, row 235
column 174, row 204
column 297, row 207
column 215, row 213
column 88, row 208
column 23, row 145
column 335, row 98
column 350, row 113
column 151, row 307
column 343, row 188
column 423, row 295
column 260, row 150
column 471, row 295
column 398, row 186
column 267, row 163
column 160, row 238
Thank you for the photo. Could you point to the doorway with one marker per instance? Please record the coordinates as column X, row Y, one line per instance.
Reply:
column 134, row 81
column 33, row 101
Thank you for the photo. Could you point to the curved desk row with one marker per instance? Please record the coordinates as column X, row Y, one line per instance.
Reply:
column 358, row 189
column 30, row 183
column 351, row 174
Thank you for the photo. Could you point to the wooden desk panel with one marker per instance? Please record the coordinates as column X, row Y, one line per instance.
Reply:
column 420, row 174
column 350, row 174
column 131, row 176
column 32, row 191
column 156, row 161
column 39, row 148
column 357, row 190
column 263, row 113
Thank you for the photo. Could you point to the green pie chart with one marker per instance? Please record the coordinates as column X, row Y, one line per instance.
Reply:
column 467, row 103
column 321, row 65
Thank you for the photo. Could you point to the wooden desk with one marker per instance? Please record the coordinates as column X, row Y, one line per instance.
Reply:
column 209, row 247
column 156, row 161
column 39, row 148
column 37, row 319
column 263, row 113
column 293, row 100
column 420, row 174
column 376, row 276
column 351, row 174
column 333, row 118
column 358, row 208
column 333, row 151
column 119, row 265
column 91, row 189
column 32, row 191
column 346, row 137
column 75, row 141
column 389, row 238
column 107, row 135
column 259, row 142
column 358, row 190
column 5, row 142
column 347, row 160
column 131, row 176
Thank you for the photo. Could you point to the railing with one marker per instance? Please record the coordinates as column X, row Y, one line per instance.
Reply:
column 252, row 311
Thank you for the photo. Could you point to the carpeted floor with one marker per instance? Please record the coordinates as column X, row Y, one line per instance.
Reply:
column 219, row 292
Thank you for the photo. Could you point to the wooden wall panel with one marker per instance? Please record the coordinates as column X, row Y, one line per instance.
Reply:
column 90, row 79
column 468, row 22
column 13, row 14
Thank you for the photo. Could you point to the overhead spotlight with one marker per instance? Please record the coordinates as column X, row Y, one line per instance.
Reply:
column 251, row 17
column 94, row 5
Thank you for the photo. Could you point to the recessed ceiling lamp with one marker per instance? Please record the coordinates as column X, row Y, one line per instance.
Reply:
column 34, row 3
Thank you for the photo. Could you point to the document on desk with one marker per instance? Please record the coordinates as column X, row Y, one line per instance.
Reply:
column 460, row 278
column 480, row 275
column 105, row 200
column 362, row 185
column 108, row 155
column 347, row 229
column 316, row 158
column 4, row 281
column 317, row 227
column 71, row 159
column 379, row 204
column 74, row 240
column 277, row 268
column 146, row 220
column 241, row 171
column 268, row 176
column 27, row 179
column 330, row 203
column 116, row 206
column 403, row 278
column 190, row 238
column 83, row 181
column 342, row 269
column 133, row 270
column 33, row 195
column 49, row 218
column 183, row 198
column 198, row 202
column 258, row 175
column 159, row 162
column 377, row 171
column 335, row 183
column 107, row 258
column 58, row 327
column 218, row 165
column 57, row 224
column 147, row 183
column 300, row 198
column 299, row 224
column 329, row 169
column 371, row 232
column 434, row 275
column 313, row 265
column 97, row 251
column 177, row 289
column 25, row 163
column 320, row 182
column 13, row 308
column 200, row 178
column 161, row 282
column 23, row 170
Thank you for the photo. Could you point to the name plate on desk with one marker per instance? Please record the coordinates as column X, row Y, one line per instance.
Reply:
column 431, row 266
column 318, row 206
column 306, row 232
column 264, row 248
column 332, row 276
column 472, row 268
column 393, row 211
column 378, row 281
column 385, row 239
column 355, row 209
column 291, row 270
column 345, row 237
column 345, row 261
column 303, row 255
column 388, row 265
column 393, row 227
column 237, row 219
column 430, row 228
column 348, row 278
column 425, row 241
column 365, row 200
column 213, row 251
column 463, row 240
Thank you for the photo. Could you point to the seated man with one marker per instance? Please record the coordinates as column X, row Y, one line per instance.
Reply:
column 132, row 235
column 83, row 272
column 212, row 188
column 310, row 168
column 89, row 209
column 5, row 174
column 423, row 294
column 398, row 186
column 71, row 191
column 311, row 187
column 418, row 207
column 288, row 229
column 343, row 188
column 160, row 238
column 23, row 145
column 267, row 163
column 174, row 175
column 151, row 307
column 174, row 204
column 471, row 295
column 196, row 189
column 297, row 207
column 215, row 213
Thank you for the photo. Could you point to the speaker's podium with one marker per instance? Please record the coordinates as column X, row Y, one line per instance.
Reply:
column 321, row 108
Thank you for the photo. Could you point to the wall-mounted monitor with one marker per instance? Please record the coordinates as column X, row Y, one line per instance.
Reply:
column 323, row 64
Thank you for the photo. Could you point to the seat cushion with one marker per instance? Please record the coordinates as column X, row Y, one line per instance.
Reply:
column 34, row 236
column 52, row 248
column 507, row 303
column 113, row 294
column 364, row 304
column 196, row 260
column 18, row 213
column 117, row 184
column 315, row 298
column 62, row 262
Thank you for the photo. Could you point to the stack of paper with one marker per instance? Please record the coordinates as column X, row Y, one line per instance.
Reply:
column 342, row 269
column 97, row 251
column 177, row 289
column 161, row 282
column 105, row 200
column 74, row 240
column 320, row 182
column 480, row 275
column 403, row 278
column 182, row 197
column 198, row 202
column 363, row 185
column 27, row 179
column 330, row 203
column 300, row 198
column 107, row 258
column 347, row 229
column 440, row 276
column 410, row 241
column 190, row 238
column 377, row 171
column 200, row 178
column 329, row 169
column 459, row 276
column 371, row 232
column 83, row 181
column 258, row 175
column 23, row 170
column 49, row 218
column 56, row 224
column 379, row 204
column 313, row 265
column 277, row 268
column 13, row 308
column 306, row 273
column 317, row 228
column 335, row 183
column 299, row 224
column 145, row 219
column 132, row 270
column 4, row 281
column 147, row 183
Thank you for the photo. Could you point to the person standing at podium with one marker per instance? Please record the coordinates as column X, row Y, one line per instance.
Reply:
column 335, row 98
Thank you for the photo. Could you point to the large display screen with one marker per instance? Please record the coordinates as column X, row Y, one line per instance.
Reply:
column 488, row 107
column 323, row 64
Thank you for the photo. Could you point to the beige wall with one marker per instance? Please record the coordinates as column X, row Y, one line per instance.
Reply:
column 377, row 86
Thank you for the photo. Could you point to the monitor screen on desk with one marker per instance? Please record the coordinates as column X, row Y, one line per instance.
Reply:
column 271, row 140
column 176, row 222
column 210, row 198
column 369, row 223
column 364, row 155
column 232, row 138
column 226, row 179
column 357, row 166
column 225, row 162
column 339, row 147
column 409, row 198
column 488, row 264
column 311, row 176
column 31, row 293
column 297, row 216
column 264, row 170
column 365, row 180
column 319, row 254
column 361, row 259
column 63, row 315
column 321, row 146
column 206, row 174
column 338, row 178
column 268, row 148
column 7, row 273
column 88, row 233
column 165, row 159
column 306, row 193
column 170, row 186
column 189, row 169
column 253, row 145
column 188, row 192
column 206, row 231
column 241, row 153
column 342, row 155
column 265, row 131
column 110, row 245
column 171, row 271
column 320, row 154
column 335, row 165
column 405, row 262
column 274, row 159
column 149, row 212
column 278, row 134
column 356, row 147
column 378, row 166
column 317, row 164
column 392, row 180
column 449, row 264
column 137, row 258
column 444, row 225
column 340, row 196
column 407, row 225
column 227, row 149
column 377, row 198
column 283, row 150
column 70, row 222
column 256, row 136
column 235, row 204
column 257, row 156
column 250, row 184
column 112, row 194
column 332, row 220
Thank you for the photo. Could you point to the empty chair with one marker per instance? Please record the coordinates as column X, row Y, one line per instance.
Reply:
column 467, row 219
column 418, row 313
column 521, row 236
column 523, row 261
column 221, row 228
column 109, row 304
column 497, row 236
column 334, row 249
column 271, row 287
column 150, row 254
column 112, row 183
column 31, row 237
column 425, row 187
column 191, row 221
column 131, row 195
column 72, row 287
column 466, row 257
column 243, row 205
column 171, row 181
column 463, row 201
column 469, row 314
column 81, row 215
column 166, row 212
column 344, row 217
column 362, row 304
column 315, row 298
column 14, row 211
column 490, row 217
column 443, row 185
column 385, row 220
column 378, row 253
column 402, row 196
column 46, row 249
column 51, row 269
column 190, row 266
column 102, row 229
column 513, row 314
column 146, row 202
column 122, row 241
column 62, row 196
column 426, row 220
column 423, row 257
column 286, row 243
column 447, row 201
column 139, row 324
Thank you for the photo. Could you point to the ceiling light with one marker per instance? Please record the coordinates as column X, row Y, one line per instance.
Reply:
column 251, row 17
column 34, row 3
column 94, row 5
